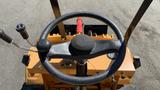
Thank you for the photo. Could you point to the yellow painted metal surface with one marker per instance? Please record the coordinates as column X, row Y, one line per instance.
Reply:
column 36, row 74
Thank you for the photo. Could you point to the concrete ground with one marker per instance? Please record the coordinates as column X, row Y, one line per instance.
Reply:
column 36, row 14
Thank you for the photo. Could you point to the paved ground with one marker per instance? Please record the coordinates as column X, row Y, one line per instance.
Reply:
column 36, row 14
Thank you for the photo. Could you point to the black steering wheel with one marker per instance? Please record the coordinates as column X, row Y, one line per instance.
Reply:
column 80, row 48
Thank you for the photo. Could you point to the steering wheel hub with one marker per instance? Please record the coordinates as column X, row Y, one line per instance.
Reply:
column 81, row 45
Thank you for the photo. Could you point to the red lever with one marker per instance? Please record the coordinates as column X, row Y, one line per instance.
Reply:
column 79, row 25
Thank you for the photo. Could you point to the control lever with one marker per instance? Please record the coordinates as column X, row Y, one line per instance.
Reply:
column 9, row 40
column 80, row 26
column 5, row 37
column 22, row 30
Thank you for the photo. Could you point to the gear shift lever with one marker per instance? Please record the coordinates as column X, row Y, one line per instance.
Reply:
column 22, row 30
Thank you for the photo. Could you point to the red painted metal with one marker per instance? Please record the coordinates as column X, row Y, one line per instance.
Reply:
column 79, row 25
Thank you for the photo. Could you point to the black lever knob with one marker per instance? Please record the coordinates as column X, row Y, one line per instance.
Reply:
column 5, row 37
column 22, row 30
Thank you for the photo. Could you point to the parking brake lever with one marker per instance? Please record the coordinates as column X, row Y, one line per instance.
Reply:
column 22, row 30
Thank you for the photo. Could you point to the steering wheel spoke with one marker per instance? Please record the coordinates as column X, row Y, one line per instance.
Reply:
column 59, row 50
column 100, row 47
column 106, row 46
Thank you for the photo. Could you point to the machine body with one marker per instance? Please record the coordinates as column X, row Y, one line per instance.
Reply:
column 79, row 57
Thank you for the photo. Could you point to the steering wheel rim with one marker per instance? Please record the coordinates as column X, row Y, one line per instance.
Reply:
column 82, row 80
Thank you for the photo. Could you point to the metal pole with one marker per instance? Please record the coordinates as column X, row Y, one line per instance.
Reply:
column 137, row 18
column 81, row 70
column 57, row 13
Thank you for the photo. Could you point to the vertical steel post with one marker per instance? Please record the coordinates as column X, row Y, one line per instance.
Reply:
column 57, row 13
column 137, row 18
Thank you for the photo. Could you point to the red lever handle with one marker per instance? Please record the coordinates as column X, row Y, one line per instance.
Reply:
column 79, row 25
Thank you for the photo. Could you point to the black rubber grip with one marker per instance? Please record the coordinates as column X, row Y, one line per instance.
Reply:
column 5, row 37
column 22, row 30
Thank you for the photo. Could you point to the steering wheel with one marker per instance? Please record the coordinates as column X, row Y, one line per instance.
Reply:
column 80, row 48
